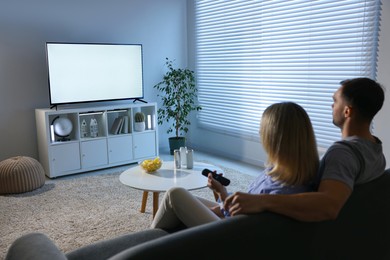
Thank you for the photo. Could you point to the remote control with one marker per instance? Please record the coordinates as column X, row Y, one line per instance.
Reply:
column 224, row 181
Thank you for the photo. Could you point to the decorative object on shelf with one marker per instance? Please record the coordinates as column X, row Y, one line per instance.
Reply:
column 139, row 124
column 93, row 128
column 151, row 165
column 179, row 96
column 62, row 127
column 83, row 129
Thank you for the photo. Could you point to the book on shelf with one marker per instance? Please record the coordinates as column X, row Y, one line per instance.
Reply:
column 120, row 126
column 116, row 126
column 125, row 125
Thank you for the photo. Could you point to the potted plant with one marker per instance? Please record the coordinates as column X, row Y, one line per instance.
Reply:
column 139, row 124
column 179, row 95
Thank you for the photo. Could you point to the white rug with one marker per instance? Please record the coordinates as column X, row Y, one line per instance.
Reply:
column 79, row 211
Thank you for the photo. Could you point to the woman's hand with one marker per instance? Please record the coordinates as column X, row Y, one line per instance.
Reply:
column 217, row 187
column 213, row 183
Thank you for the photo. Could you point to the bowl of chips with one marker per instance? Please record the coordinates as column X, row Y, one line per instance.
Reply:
column 151, row 165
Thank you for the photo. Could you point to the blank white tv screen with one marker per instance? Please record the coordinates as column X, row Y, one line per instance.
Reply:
column 94, row 72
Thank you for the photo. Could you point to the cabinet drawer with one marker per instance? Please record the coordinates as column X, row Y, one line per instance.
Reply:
column 64, row 158
column 94, row 153
column 120, row 149
column 144, row 145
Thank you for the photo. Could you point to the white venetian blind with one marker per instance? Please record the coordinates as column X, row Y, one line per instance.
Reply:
column 251, row 54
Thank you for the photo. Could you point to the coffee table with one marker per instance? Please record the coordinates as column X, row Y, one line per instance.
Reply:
column 165, row 178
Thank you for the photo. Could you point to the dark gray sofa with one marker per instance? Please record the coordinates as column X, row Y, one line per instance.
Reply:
column 362, row 231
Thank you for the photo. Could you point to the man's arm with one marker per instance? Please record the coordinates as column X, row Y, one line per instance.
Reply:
column 324, row 204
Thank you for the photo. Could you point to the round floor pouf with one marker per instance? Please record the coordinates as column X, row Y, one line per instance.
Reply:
column 20, row 174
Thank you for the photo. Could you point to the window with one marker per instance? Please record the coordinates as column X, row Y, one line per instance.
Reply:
column 250, row 54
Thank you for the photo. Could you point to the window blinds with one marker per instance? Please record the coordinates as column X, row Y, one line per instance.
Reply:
column 250, row 54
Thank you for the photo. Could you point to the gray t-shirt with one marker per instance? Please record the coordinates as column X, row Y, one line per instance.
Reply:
column 341, row 163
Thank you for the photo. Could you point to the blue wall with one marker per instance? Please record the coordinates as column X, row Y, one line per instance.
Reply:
column 25, row 26
column 162, row 26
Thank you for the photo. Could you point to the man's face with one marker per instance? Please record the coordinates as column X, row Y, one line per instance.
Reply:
column 338, row 107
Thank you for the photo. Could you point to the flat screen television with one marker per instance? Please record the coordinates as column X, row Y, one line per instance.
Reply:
column 94, row 72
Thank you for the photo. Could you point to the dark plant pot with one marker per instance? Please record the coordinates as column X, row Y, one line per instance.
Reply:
column 176, row 143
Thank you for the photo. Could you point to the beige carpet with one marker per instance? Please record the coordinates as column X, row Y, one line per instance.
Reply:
column 79, row 211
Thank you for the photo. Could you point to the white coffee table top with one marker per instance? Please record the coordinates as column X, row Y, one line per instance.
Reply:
column 167, row 177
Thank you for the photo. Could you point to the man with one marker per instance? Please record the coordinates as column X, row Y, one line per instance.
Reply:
column 355, row 104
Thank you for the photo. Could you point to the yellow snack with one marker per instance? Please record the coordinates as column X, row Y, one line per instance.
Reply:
column 151, row 165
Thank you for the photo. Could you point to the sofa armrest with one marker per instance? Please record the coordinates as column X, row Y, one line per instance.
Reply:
column 34, row 246
column 106, row 248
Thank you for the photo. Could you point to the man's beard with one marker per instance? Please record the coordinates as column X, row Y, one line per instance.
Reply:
column 338, row 124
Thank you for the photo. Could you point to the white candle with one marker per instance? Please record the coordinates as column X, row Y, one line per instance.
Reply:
column 149, row 122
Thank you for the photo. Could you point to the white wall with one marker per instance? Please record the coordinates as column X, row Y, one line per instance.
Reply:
column 25, row 26
column 382, row 120
column 252, row 152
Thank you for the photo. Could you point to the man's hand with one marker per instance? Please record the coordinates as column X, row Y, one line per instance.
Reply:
column 243, row 203
column 217, row 211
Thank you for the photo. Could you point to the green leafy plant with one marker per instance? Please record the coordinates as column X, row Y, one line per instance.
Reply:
column 139, row 117
column 179, row 96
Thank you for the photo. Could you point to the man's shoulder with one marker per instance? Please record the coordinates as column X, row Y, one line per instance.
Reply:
column 354, row 157
column 340, row 148
column 352, row 142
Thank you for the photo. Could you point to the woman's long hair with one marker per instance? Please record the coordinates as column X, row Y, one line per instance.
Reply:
column 288, row 139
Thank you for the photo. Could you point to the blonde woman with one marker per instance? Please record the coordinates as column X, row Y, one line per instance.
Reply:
column 288, row 139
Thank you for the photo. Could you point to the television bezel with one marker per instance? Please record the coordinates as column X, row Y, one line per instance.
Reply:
column 100, row 100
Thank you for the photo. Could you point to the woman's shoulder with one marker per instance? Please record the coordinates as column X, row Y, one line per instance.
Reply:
column 265, row 184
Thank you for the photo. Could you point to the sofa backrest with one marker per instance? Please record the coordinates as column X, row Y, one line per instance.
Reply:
column 362, row 229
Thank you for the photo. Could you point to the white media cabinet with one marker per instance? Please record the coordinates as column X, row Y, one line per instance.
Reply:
column 82, row 153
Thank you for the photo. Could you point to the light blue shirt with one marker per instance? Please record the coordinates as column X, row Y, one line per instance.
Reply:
column 265, row 184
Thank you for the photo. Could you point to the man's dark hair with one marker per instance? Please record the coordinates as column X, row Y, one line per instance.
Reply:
column 364, row 94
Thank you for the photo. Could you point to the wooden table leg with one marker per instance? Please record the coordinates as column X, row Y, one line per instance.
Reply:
column 155, row 202
column 144, row 200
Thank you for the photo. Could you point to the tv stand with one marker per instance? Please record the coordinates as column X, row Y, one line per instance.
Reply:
column 140, row 100
column 107, row 144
